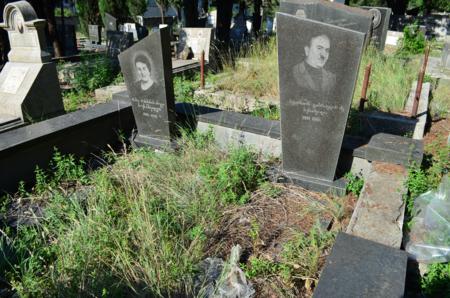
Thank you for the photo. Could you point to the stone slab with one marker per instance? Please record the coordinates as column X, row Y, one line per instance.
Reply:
column 108, row 91
column 361, row 268
column 315, row 100
column 374, row 122
column 393, row 37
column 380, row 210
column 435, row 69
column 110, row 22
column 394, row 149
column 80, row 133
column 422, row 110
column 335, row 187
column 95, row 34
column 117, row 42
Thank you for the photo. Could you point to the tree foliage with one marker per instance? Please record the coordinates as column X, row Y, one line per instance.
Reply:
column 116, row 8
column 88, row 13
column 136, row 7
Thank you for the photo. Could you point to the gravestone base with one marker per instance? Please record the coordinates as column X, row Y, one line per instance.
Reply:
column 336, row 187
column 139, row 141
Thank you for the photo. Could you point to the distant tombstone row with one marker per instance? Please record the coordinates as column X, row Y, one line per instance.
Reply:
column 445, row 58
column 22, row 79
column 319, row 52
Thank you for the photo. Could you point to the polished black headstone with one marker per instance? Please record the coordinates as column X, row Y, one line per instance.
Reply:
column 358, row 267
column 147, row 70
column 380, row 25
column 67, row 35
column 329, row 12
column 110, row 23
column 95, row 35
column 117, row 42
column 318, row 67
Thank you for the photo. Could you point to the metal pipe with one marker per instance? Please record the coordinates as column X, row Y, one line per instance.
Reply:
column 420, row 78
column 202, row 70
column 365, row 86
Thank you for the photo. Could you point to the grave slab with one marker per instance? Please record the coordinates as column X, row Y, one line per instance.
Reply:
column 147, row 70
column 361, row 268
column 95, row 34
column 380, row 210
column 318, row 67
column 422, row 110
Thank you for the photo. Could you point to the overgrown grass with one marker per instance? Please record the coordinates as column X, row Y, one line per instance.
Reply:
column 440, row 102
column 137, row 227
column 390, row 81
column 255, row 71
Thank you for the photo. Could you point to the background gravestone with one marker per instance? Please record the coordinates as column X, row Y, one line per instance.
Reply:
column 147, row 70
column 380, row 25
column 117, row 42
column 330, row 13
column 67, row 35
column 110, row 23
column 197, row 39
column 315, row 102
column 95, row 34
column 29, row 86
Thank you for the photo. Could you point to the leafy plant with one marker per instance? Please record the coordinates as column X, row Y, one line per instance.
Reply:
column 236, row 177
column 92, row 73
column 436, row 282
column 413, row 41
column 355, row 183
column 259, row 267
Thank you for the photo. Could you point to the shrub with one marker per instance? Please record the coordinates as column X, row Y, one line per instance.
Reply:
column 413, row 41
column 93, row 73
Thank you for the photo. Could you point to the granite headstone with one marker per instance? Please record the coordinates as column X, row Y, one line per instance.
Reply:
column 29, row 86
column 358, row 267
column 69, row 39
column 117, row 42
column 331, row 13
column 380, row 25
column 147, row 70
column 198, row 39
column 318, row 67
column 95, row 34
column 110, row 23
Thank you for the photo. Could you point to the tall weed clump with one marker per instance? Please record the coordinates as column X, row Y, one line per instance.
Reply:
column 137, row 227
column 390, row 81
column 255, row 71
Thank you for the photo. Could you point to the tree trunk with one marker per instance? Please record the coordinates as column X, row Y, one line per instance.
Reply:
column 398, row 6
column 224, row 14
column 163, row 10
column 49, row 11
column 190, row 13
column 256, row 17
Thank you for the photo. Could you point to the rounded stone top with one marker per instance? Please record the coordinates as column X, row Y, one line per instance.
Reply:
column 19, row 14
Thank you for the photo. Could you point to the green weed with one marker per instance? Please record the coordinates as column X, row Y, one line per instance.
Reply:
column 92, row 73
column 413, row 41
column 436, row 282
column 355, row 183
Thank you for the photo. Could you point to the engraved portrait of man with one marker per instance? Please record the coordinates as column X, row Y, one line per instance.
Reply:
column 310, row 74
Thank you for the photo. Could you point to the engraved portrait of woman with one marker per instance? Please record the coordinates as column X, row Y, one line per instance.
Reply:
column 144, row 80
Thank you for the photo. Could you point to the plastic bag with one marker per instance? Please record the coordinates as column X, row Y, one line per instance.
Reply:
column 429, row 239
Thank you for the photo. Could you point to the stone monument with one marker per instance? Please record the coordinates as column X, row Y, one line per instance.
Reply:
column 198, row 39
column 117, row 42
column 318, row 67
column 29, row 87
column 110, row 22
column 330, row 13
column 95, row 34
column 380, row 25
column 147, row 70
